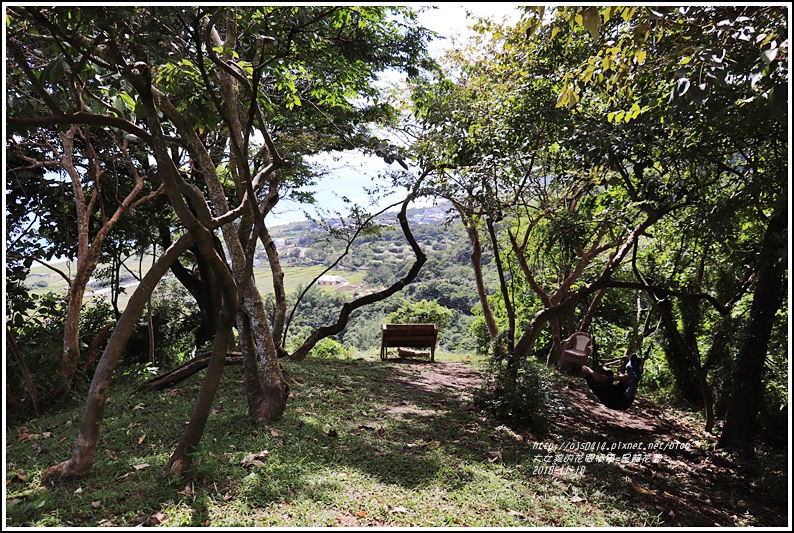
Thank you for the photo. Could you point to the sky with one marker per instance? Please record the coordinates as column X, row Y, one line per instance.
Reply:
column 350, row 173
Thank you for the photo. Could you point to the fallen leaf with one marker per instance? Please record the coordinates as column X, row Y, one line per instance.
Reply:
column 47, row 434
column 227, row 496
column 361, row 514
column 141, row 466
column 138, row 407
column 16, row 476
column 39, row 447
column 495, row 456
column 187, row 491
column 110, row 454
column 274, row 432
column 95, row 504
column 399, row 510
column 577, row 499
column 642, row 490
column 78, row 490
column 254, row 460
column 516, row 513
column 142, row 438
column 155, row 519
column 217, row 410
column 380, row 433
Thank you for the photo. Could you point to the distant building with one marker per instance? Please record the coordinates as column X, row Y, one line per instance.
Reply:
column 331, row 281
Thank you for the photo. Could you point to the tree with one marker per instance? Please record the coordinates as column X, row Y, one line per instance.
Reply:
column 90, row 207
column 725, row 67
column 204, row 95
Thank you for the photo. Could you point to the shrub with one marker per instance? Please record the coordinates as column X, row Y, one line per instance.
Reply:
column 525, row 402
column 39, row 337
column 421, row 312
column 328, row 349
column 175, row 320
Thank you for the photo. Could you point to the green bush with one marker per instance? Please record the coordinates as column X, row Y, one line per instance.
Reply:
column 525, row 402
column 39, row 336
column 175, row 320
column 329, row 349
column 479, row 331
column 421, row 312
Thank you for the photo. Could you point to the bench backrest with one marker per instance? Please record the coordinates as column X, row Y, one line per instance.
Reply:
column 409, row 330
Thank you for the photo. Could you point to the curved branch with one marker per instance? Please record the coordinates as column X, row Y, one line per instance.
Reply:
column 57, row 271
column 83, row 118
column 664, row 291
column 332, row 265
column 344, row 314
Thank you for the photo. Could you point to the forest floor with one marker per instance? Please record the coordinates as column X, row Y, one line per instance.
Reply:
column 667, row 464
column 395, row 443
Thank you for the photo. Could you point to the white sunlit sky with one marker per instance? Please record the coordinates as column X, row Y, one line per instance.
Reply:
column 350, row 173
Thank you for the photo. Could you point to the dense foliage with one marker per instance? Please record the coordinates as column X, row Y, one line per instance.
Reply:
column 619, row 169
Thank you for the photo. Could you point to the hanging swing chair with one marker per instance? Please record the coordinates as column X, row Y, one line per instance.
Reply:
column 578, row 350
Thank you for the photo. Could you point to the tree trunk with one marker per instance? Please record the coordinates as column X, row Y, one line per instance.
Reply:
column 508, row 301
column 87, row 251
column 88, row 438
column 182, row 457
column 280, row 311
column 273, row 386
column 71, row 338
column 268, row 398
column 683, row 350
column 185, row 370
column 739, row 430
column 476, row 263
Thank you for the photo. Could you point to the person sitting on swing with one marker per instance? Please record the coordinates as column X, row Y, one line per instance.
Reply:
column 615, row 392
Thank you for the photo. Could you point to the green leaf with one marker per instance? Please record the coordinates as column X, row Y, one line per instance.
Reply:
column 769, row 55
column 563, row 98
column 591, row 21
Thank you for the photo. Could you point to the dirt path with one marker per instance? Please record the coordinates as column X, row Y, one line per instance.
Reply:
column 655, row 457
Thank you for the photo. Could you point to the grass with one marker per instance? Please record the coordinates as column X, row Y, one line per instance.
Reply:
column 362, row 443
column 300, row 276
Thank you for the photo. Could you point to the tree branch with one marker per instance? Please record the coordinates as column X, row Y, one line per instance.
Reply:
column 344, row 314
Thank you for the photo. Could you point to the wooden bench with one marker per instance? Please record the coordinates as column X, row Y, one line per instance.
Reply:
column 409, row 336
